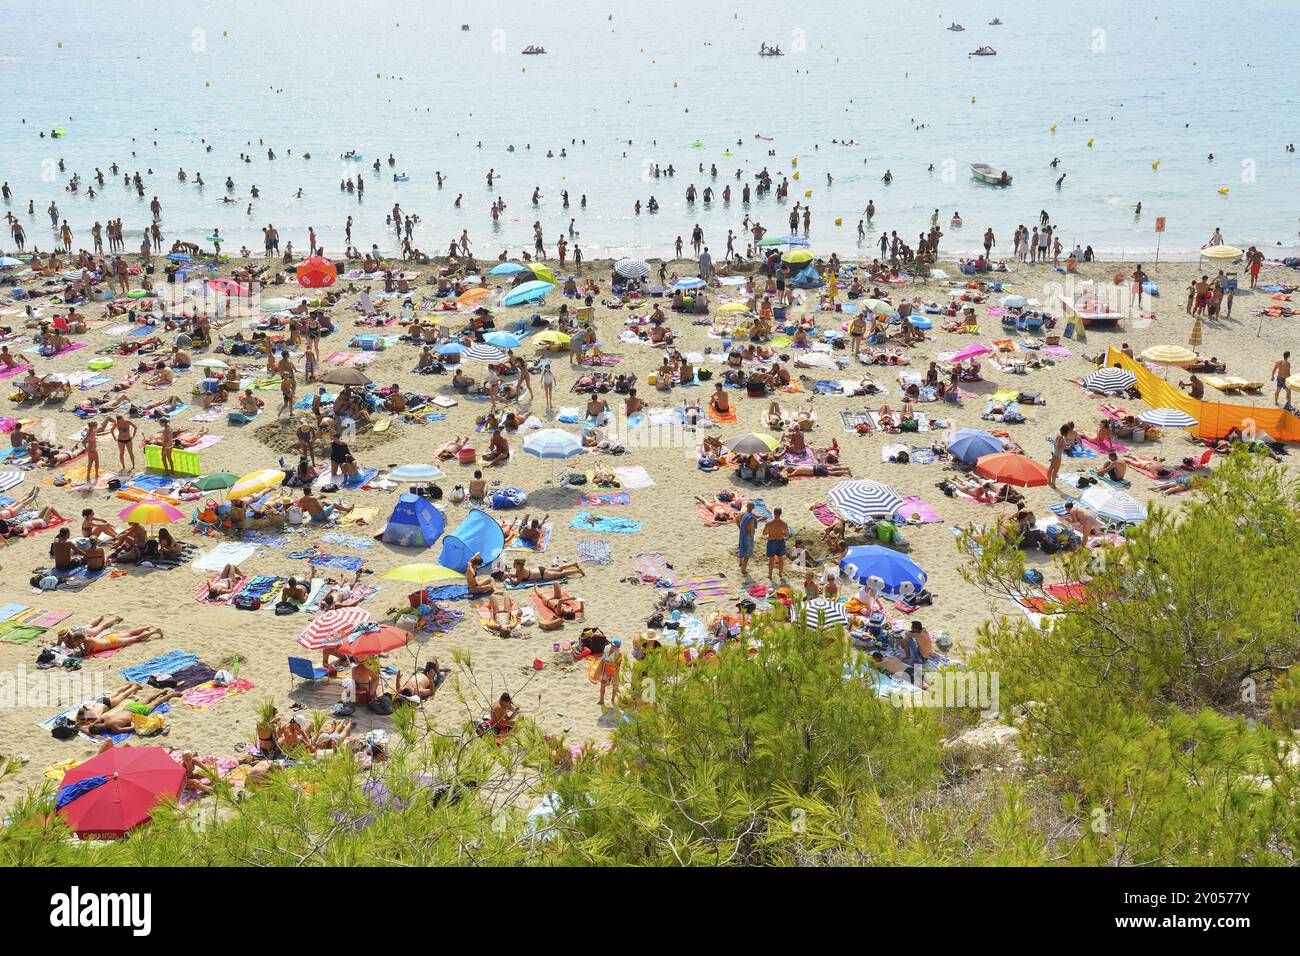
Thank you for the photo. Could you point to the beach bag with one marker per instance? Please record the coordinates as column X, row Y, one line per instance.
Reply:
column 458, row 494
column 293, row 514
column 382, row 705
column 248, row 602
column 886, row 531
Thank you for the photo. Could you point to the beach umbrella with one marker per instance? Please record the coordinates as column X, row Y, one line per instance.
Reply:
column 733, row 307
column 150, row 511
column 860, row 500
column 114, row 792
column 255, row 482
column 1222, row 252
column 1194, row 340
column 1114, row 504
column 211, row 363
column 824, row 614
column 216, row 481
column 507, row 269
column 470, row 296
column 423, row 574
column 316, row 272
column 1012, row 469
column 372, row 640
column 1013, row 302
column 752, row 444
column 275, row 304
column 329, row 628
column 9, row 262
column 502, row 340
column 897, row 574
column 227, row 286
column 880, row 306
column 784, row 241
column 542, row 272
column 1169, row 355
column 971, row 444
column 552, row 443
column 632, row 268
column 1109, row 380
column 1168, row 418
column 552, row 339
column 797, row 256
column 482, row 352
column 527, row 292
column 345, row 375
column 688, row 283
column 416, row 472
column 974, row 350
column 450, row 348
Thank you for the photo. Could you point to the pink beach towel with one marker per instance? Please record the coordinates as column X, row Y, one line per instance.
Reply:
column 16, row 370
column 915, row 506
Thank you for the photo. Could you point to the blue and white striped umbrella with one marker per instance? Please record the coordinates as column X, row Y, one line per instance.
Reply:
column 689, row 283
column 1116, row 505
column 502, row 340
column 893, row 573
column 417, row 472
column 482, row 352
column 1168, row 418
column 552, row 443
column 861, row 500
column 1109, row 380
column 632, row 268
column 824, row 614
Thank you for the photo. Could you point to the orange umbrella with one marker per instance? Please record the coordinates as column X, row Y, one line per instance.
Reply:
column 380, row 640
column 316, row 272
column 473, row 295
column 1012, row 469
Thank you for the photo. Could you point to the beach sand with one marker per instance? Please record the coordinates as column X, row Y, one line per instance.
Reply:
column 559, row 697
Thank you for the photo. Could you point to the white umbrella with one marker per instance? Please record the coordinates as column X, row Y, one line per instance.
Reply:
column 1113, row 504
column 1168, row 418
column 554, row 443
column 632, row 268
column 1109, row 380
column 418, row 472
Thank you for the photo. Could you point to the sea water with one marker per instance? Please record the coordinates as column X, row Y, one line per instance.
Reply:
column 149, row 84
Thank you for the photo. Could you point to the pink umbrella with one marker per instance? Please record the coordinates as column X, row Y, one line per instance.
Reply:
column 150, row 511
column 329, row 628
column 971, row 351
column 228, row 286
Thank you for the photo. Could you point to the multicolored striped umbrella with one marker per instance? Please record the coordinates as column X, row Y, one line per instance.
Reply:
column 150, row 511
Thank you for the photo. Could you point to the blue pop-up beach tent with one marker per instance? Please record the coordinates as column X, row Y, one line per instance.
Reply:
column 478, row 533
column 414, row 523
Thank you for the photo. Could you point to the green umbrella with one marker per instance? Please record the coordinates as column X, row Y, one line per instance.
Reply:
column 216, row 481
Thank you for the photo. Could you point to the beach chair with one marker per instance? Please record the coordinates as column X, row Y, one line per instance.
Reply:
column 300, row 667
column 586, row 314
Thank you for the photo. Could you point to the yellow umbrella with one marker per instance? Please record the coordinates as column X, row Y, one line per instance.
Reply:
column 544, row 273
column 1195, row 339
column 552, row 339
column 1169, row 355
column 1222, row 252
column 255, row 482
column 423, row 574
column 150, row 511
column 797, row 255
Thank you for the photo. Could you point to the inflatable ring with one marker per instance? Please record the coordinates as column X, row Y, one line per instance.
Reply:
column 99, row 363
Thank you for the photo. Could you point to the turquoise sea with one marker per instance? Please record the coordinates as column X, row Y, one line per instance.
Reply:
column 150, row 84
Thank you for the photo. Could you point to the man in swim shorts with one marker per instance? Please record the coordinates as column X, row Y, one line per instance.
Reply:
column 776, row 531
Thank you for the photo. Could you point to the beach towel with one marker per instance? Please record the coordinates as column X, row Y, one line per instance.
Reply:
column 586, row 521
column 851, row 420
column 228, row 552
column 651, row 564
column 265, row 587
column 206, row 694
column 519, row 544
column 361, row 478
column 201, row 591
column 915, row 506
column 14, row 371
column 722, row 418
column 361, row 592
column 446, row 592
column 633, row 477
column 824, row 513
column 8, row 611
column 340, row 561
column 707, row 590
column 922, row 455
column 595, row 551
column 610, row 499
column 1113, row 446
column 168, row 663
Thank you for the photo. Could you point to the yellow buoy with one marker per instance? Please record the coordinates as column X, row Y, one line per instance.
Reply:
column 1223, row 191
column 794, row 161
column 1090, row 141
column 1156, row 164
column 1053, row 127
column 795, row 176
column 807, row 194
column 839, row 221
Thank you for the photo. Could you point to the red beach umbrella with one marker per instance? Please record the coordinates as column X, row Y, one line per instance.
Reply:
column 1012, row 469
column 116, row 790
column 381, row 640
column 316, row 272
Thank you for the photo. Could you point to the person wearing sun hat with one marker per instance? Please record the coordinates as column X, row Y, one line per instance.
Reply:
column 607, row 673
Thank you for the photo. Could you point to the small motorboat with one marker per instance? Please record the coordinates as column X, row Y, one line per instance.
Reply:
column 956, row 28
column 1090, row 310
column 533, row 50
column 984, row 51
column 464, row 26
column 987, row 174
column 995, row 22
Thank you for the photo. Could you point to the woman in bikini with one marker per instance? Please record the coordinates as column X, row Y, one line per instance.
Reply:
column 225, row 582
column 520, row 574
column 85, row 645
column 564, row 606
column 503, row 615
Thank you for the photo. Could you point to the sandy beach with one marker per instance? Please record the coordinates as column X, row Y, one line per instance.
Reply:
column 559, row 697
